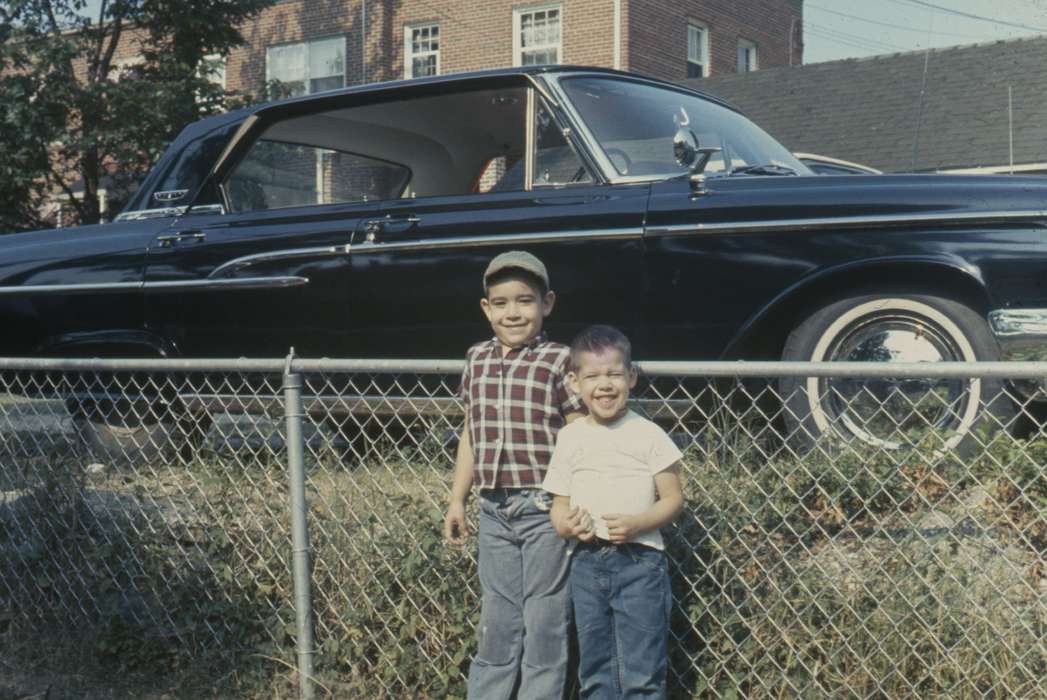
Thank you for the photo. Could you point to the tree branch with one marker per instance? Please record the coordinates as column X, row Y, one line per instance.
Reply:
column 55, row 29
column 114, row 39
column 96, row 59
column 66, row 189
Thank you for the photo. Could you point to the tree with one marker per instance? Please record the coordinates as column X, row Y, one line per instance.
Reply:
column 74, row 119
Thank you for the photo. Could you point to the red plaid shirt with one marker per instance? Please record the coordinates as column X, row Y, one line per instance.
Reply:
column 516, row 405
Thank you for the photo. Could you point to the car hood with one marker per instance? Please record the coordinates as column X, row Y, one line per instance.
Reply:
column 879, row 198
column 100, row 253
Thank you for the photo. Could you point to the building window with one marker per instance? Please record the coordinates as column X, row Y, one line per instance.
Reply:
column 746, row 56
column 697, row 50
column 421, row 50
column 212, row 69
column 126, row 68
column 537, row 36
column 308, row 67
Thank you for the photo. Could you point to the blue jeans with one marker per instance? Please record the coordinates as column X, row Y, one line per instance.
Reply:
column 522, row 639
column 622, row 601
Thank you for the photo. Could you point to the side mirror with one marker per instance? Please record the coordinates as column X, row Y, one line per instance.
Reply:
column 685, row 147
column 689, row 153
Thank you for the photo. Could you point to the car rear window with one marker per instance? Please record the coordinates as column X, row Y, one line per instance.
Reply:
column 275, row 175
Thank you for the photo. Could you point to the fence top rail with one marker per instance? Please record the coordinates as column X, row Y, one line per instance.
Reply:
column 734, row 369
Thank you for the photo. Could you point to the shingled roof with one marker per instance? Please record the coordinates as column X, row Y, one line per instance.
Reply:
column 928, row 110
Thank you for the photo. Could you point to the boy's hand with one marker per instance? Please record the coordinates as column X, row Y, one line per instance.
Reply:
column 577, row 523
column 621, row 528
column 456, row 529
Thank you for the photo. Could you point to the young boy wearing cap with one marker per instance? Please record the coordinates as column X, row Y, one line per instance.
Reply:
column 621, row 473
column 516, row 398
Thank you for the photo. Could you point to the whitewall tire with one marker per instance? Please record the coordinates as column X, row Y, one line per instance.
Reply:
column 880, row 412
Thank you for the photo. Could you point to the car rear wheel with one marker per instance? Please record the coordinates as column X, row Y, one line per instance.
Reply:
column 888, row 413
column 125, row 431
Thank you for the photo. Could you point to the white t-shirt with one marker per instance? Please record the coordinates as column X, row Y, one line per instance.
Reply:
column 610, row 468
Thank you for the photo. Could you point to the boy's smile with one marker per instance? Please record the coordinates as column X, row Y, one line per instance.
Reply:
column 516, row 311
column 603, row 381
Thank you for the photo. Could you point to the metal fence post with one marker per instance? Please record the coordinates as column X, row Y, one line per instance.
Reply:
column 303, row 604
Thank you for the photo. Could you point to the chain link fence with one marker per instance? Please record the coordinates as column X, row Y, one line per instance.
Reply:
column 850, row 530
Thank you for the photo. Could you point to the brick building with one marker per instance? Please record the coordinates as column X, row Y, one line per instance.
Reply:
column 315, row 45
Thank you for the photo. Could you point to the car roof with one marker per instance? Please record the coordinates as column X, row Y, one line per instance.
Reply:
column 451, row 79
column 196, row 130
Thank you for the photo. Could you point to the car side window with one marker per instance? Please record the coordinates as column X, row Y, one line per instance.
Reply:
column 451, row 143
column 635, row 124
column 555, row 160
column 275, row 174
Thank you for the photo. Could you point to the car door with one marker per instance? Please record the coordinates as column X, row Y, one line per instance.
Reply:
column 77, row 291
column 713, row 263
column 417, row 268
column 719, row 183
column 270, row 274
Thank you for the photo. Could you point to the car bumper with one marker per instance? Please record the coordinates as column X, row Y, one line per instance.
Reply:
column 1022, row 335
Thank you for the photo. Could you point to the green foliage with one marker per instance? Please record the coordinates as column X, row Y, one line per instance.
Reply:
column 404, row 609
column 884, row 573
column 74, row 120
column 857, row 572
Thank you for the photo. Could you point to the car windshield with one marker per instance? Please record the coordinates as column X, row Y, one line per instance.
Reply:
column 634, row 123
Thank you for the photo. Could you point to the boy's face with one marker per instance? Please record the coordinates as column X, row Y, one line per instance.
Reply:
column 516, row 311
column 603, row 382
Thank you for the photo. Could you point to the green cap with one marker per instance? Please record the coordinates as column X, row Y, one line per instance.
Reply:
column 518, row 260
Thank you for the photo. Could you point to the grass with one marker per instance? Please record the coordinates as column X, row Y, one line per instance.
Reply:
column 850, row 573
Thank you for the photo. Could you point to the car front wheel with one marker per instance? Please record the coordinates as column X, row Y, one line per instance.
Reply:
column 889, row 413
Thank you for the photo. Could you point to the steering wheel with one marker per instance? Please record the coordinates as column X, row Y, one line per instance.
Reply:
column 619, row 160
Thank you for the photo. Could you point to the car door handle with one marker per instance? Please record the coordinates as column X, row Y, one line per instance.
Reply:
column 373, row 228
column 182, row 236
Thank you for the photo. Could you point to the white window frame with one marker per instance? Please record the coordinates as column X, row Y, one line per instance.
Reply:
column 518, row 15
column 307, row 42
column 749, row 63
column 121, row 65
column 701, row 29
column 218, row 65
column 409, row 54
column 58, row 202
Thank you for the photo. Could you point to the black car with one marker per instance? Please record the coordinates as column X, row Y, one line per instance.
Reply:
column 357, row 222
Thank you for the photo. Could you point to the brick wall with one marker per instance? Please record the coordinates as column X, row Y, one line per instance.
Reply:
column 657, row 33
column 290, row 22
column 478, row 35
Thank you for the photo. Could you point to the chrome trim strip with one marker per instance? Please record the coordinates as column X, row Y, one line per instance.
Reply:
column 206, row 209
column 169, row 195
column 281, row 282
column 143, row 214
column 508, row 239
column 70, row 288
column 530, row 143
column 825, row 222
column 1015, row 323
column 1022, row 336
column 240, row 263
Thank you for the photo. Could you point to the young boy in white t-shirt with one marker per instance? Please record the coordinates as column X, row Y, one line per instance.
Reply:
column 615, row 481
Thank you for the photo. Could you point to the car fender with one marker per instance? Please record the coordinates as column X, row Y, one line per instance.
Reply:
column 764, row 332
column 117, row 343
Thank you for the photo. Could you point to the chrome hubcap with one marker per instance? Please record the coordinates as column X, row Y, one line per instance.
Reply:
column 882, row 411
